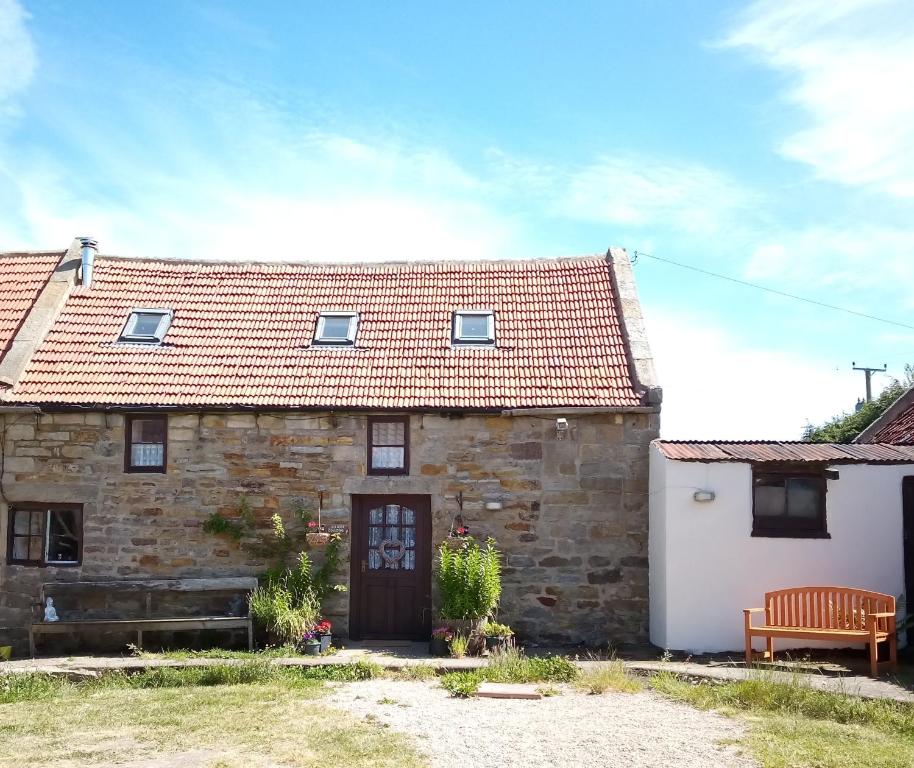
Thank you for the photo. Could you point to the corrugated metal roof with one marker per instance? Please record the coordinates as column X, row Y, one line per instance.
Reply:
column 785, row 451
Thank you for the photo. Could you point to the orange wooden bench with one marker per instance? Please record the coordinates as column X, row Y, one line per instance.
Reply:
column 826, row 613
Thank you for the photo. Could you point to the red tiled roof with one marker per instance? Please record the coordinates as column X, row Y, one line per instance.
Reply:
column 785, row 451
column 22, row 276
column 241, row 336
column 899, row 430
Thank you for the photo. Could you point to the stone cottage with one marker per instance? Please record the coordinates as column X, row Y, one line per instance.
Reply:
column 141, row 397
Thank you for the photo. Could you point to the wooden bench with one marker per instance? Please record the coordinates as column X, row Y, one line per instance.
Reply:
column 826, row 613
column 148, row 623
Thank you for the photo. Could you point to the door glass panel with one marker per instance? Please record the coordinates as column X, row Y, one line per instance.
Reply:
column 396, row 524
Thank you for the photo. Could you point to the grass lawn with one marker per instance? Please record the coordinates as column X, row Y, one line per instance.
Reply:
column 204, row 719
column 794, row 726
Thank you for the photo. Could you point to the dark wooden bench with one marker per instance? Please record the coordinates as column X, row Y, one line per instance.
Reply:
column 149, row 623
column 826, row 613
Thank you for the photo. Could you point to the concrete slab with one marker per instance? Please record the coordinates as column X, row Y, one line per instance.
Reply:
column 508, row 691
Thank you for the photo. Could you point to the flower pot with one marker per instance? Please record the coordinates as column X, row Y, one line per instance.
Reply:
column 6, row 652
column 438, row 646
column 317, row 539
column 499, row 643
column 311, row 648
column 325, row 643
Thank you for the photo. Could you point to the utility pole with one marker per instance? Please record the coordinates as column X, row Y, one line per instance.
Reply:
column 868, row 373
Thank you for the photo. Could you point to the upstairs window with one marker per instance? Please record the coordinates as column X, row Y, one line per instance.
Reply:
column 473, row 327
column 45, row 534
column 388, row 445
column 147, row 326
column 145, row 450
column 788, row 503
column 336, row 328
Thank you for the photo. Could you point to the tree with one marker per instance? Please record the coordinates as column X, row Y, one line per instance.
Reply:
column 846, row 427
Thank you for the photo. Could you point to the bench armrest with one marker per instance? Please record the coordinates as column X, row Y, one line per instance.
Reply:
column 752, row 610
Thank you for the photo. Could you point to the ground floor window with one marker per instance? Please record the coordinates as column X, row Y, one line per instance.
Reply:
column 788, row 503
column 44, row 534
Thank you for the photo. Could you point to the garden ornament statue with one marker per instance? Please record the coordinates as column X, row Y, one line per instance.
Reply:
column 50, row 612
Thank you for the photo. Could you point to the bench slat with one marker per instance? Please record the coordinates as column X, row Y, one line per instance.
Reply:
column 199, row 622
column 222, row 584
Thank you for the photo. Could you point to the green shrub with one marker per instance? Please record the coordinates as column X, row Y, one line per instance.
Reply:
column 30, row 687
column 458, row 646
column 469, row 580
column 462, row 684
column 512, row 666
column 608, row 676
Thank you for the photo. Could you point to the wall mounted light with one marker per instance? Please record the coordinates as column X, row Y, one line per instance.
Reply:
column 704, row 496
column 561, row 428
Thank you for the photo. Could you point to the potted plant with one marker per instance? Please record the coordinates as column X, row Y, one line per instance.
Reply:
column 310, row 644
column 322, row 630
column 498, row 636
column 440, row 642
column 469, row 587
column 317, row 536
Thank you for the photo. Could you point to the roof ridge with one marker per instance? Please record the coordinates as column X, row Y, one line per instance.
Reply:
column 349, row 264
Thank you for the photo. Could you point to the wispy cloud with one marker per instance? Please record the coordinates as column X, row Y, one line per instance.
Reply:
column 851, row 73
column 17, row 54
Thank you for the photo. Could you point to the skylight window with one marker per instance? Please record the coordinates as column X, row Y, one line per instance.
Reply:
column 147, row 326
column 473, row 327
column 336, row 328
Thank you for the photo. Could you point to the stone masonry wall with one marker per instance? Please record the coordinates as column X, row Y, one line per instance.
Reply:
column 573, row 525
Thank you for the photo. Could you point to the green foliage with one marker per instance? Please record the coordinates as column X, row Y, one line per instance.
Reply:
column 511, row 665
column 458, row 646
column 469, row 580
column 846, row 427
column 492, row 629
column 608, row 676
column 285, row 605
column 794, row 699
column 462, row 684
column 415, row 672
column 344, row 673
column 218, row 525
column 30, row 687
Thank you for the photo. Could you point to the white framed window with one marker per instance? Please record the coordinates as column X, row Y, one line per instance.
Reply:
column 147, row 326
column 473, row 326
column 336, row 328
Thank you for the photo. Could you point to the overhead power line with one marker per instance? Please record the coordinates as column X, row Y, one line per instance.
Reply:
column 776, row 292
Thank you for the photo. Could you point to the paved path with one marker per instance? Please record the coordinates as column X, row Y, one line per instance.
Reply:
column 417, row 654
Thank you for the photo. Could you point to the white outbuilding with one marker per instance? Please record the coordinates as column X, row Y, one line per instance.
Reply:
column 730, row 521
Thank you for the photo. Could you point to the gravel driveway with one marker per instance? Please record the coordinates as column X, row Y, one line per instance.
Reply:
column 571, row 730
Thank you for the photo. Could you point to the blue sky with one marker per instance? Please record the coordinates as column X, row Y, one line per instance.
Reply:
column 770, row 141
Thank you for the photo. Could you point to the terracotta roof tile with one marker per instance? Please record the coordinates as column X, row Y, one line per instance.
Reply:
column 785, row 451
column 899, row 430
column 241, row 335
column 22, row 276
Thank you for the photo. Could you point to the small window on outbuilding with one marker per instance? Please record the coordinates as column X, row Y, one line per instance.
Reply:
column 388, row 445
column 476, row 326
column 147, row 326
column 788, row 503
column 146, row 443
column 44, row 534
column 336, row 328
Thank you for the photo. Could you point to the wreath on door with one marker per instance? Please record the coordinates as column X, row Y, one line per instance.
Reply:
column 391, row 551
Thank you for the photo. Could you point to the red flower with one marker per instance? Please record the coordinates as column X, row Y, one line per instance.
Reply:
column 312, row 524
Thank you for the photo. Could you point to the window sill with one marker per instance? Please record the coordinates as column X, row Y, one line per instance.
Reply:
column 388, row 473
column 773, row 534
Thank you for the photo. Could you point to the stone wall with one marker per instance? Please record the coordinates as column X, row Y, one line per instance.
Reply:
column 573, row 522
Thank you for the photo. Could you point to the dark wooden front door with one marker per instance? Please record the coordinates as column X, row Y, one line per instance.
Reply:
column 907, row 511
column 391, row 568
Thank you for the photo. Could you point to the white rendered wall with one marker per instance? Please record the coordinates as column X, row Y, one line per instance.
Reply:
column 706, row 567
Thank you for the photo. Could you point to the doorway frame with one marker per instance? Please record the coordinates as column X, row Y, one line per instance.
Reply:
column 421, row 504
